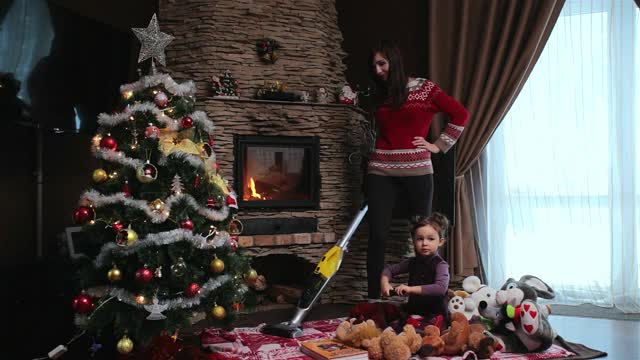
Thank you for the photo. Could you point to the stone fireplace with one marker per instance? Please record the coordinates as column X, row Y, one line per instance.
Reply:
column 303, row 217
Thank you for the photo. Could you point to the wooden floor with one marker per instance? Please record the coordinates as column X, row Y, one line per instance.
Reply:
column 620, row 339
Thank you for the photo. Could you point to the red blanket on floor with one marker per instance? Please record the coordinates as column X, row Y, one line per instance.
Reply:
column 251, row 344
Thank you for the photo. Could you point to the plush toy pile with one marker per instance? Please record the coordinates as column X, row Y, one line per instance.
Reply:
column 482, row 320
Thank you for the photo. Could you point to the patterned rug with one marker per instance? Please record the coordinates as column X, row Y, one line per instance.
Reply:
column 248, row 343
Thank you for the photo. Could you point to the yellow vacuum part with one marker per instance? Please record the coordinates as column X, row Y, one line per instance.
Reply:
column 330, row 262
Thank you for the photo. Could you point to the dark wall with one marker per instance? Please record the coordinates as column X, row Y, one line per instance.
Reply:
column 80, row 78
column 363, row 23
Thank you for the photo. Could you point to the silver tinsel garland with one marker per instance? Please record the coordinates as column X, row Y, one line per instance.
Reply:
column 159, row 239
column 185, row 89
column 181, row 302
column 120, row 158
column 199, row 117
column 116, row 157
column 99, row 200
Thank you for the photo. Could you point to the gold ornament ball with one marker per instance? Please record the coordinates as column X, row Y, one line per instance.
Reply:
column 125, row 345
column 252, row 275
column 114, row 274
column 218, row 312
column 126, row 237
column 99, row 175
column 217, row 265
column 157, row 205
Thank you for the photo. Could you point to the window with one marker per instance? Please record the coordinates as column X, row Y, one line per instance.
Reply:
column 563, row 168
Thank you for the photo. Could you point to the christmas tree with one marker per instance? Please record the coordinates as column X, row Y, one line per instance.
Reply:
column 162, row 214
column 226, row 87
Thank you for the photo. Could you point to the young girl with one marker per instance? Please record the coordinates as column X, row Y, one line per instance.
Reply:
column 428, row 272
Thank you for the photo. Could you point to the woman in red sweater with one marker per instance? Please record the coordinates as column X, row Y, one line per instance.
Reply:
column 400, row 165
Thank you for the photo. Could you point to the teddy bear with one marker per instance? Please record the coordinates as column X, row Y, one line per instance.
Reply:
column 387, row 346
column 461, row 301
column 480, row 342
column 456, row 336
column 391, row 346
column 432, row 343
column 353, row 334
column 411, row 338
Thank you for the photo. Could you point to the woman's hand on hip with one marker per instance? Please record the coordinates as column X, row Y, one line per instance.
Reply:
column 422, row 143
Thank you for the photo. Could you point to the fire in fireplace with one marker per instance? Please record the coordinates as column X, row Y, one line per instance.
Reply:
column 277, row 171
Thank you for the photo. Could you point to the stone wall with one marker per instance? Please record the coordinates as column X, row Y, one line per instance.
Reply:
column 213, row 36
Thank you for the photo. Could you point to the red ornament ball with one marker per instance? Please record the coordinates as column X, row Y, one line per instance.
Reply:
column 117, row 226
column 192, row 290
column 187, row 122
column 109, row 142
column 211, row 203
column 144, row 276
column 83, row 304
column 186, row 224
column 84, row 214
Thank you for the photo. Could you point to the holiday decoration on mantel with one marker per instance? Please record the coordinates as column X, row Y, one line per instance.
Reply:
column 267, row 50
column 347, row 96
column 276, row 91
column 159, row 260
column 225, row 87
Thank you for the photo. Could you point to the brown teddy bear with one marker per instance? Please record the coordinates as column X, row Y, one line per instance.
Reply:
column 373, row 348
column 480, row 343
column 432, row 344
column 411, row 338
column 456, row 337
column 353, row 334
column 390, row 346
column 393, row 347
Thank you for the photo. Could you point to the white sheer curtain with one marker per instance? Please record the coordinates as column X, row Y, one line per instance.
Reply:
column 561, row 176
column 25, row 37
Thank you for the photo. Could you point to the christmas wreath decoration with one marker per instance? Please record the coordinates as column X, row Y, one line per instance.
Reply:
column 267, row 50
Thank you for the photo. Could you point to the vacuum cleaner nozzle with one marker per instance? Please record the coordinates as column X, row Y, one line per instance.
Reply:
column 284, row 329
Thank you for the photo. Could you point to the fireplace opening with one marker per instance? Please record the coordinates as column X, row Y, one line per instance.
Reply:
column 277, row 171
column 286, row 275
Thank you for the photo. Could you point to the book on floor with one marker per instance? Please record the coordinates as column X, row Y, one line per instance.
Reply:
column 330, row 349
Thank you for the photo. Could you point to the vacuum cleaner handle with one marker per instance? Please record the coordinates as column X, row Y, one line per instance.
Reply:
column 327, row 267
column 344, row 242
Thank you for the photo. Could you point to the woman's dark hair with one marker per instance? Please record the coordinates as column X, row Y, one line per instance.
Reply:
column 395, row 88
column 437, row 220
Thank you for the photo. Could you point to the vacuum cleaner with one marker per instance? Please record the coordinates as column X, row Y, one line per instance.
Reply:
column 322, row 274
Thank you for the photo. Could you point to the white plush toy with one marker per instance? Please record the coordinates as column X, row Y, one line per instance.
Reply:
column 460, row 301
column 484, row 297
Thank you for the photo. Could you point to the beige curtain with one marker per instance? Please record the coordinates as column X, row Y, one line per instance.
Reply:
column 481, row 52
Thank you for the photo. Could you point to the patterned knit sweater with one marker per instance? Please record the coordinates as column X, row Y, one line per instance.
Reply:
column 395, row 155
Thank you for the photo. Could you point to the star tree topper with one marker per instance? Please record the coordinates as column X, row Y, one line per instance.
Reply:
column 152, row 41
